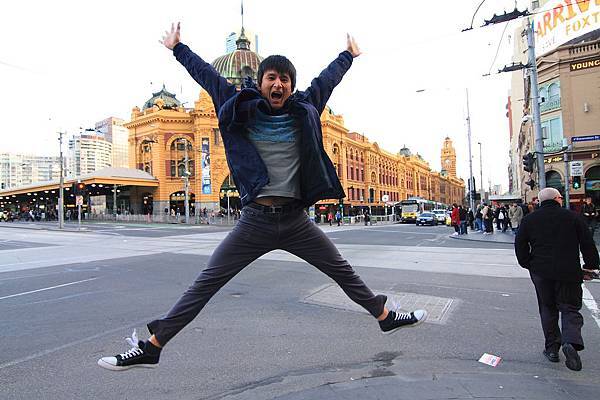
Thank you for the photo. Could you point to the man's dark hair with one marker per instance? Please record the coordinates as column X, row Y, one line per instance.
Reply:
column 280, row 64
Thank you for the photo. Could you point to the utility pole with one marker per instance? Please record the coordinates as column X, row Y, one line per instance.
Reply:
column 115, row 201
column 535, row 105
column 567, row 177
column 481, row 172
column 61, row 214
column 471, row 189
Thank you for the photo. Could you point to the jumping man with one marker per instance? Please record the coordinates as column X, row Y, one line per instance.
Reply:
column 274, row 148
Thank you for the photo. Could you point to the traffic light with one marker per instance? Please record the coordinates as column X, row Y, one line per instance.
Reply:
column 576, row 182
column 528, row 162
column 79, row 189
column 530, row 183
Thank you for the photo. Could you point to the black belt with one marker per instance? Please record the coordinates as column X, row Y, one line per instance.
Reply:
column 281, row 209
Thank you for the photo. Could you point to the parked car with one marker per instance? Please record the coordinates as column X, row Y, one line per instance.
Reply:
column 427, row 218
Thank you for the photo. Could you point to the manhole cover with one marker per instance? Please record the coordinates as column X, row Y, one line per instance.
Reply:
column 437, row 307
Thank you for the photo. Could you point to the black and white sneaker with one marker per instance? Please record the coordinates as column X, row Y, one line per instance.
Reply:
column 142, row 354
column 396, row 320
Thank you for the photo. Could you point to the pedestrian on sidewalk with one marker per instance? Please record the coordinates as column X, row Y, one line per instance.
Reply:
column 462, row 215
column 588, row 210
column 515, row 214
column 455, row 219
column 479, row 219
column 274, row 148
column 548, row 244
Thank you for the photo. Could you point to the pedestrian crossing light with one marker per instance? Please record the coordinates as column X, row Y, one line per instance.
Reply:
column 576, row 182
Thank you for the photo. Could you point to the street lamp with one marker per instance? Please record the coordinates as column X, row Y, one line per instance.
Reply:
column 481, row 171
column 61, row 214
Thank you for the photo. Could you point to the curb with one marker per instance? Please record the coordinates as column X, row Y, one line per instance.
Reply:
column 479, row 240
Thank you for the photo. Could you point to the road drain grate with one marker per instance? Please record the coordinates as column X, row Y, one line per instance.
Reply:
column 438, row 308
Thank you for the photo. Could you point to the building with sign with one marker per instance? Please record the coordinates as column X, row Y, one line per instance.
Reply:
column 568, row 76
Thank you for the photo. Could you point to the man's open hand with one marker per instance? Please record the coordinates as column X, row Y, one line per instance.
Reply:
column 170, row 39
column 352, row 46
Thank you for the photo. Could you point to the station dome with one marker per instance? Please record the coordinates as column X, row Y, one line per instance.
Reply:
column 168, row 99
column 239, row 64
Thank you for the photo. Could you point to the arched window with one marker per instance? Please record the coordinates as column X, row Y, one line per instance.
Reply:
column 554, row 180
column 554, row 91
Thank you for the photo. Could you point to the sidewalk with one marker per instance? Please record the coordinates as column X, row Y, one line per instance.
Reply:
column 497, row 237
column 506, row 237
column 450, row 385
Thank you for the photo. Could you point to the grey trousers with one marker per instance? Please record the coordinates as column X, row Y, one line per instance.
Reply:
column 255, row 234
column 564, row 297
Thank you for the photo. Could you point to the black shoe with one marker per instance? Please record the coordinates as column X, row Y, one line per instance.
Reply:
column 142, row 354
column 573, row 362
column 396, row 320
column 552, row 355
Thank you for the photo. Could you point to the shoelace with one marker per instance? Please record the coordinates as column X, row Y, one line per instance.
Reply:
column 402, row 316
column 135, row 350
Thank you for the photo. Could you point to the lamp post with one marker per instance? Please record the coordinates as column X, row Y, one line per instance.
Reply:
column 61, row 214
column 471, row 189
column 186, row 181
column 481, row 171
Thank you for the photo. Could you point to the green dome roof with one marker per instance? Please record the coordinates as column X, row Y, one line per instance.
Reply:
column 238, row 64
column 169, row 99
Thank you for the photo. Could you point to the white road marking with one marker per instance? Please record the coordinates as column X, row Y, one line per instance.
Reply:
column 591, row 304
column 48, row 288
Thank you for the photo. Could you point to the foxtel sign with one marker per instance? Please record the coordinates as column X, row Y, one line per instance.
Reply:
column 562, row 20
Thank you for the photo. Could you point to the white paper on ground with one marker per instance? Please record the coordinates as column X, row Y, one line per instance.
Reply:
column 490, row 359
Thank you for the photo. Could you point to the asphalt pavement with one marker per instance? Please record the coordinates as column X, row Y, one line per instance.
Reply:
column 280, row 329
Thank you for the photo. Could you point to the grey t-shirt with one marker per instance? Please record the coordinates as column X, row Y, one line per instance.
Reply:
column 276, row 137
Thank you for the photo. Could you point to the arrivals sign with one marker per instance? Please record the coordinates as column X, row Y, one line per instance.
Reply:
column 559, row 21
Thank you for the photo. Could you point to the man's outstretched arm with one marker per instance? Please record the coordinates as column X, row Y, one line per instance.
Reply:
column 321, row 87
column 217, row 87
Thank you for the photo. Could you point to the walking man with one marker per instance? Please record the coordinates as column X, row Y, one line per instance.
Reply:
column 548, row 244
column 274, row 148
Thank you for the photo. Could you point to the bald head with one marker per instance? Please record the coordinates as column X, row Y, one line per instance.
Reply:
column 548, row 194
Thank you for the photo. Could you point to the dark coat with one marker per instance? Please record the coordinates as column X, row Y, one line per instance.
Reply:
column 318, row 177
column 549, row 240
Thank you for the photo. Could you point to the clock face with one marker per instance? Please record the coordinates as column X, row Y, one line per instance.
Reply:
column 447, row 161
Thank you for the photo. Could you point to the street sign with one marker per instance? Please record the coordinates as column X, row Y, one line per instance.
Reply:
column 576, row 168
column 79, row 200
column 385, row 198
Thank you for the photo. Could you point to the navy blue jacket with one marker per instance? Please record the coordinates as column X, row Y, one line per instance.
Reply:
column 318, row 177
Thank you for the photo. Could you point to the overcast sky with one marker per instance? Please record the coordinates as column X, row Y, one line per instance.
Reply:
column 68, row 64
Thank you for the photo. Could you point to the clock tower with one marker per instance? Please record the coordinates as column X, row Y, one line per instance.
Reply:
column 448, row 157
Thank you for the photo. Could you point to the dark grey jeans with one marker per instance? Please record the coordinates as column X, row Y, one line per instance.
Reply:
column 556, row 297
column 255, row 234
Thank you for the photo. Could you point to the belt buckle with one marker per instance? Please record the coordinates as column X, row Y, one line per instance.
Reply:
column 275, row 209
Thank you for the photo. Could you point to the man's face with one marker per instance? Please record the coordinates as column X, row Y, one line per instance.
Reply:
column 276, row 88
column 588, row 200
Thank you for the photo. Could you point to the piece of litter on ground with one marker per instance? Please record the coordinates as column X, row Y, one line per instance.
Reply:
column 500, row 387
column 505, row 295
column 490, row 359
column 535, row 376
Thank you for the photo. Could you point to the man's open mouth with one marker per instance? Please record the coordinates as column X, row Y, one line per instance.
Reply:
column 276, row 95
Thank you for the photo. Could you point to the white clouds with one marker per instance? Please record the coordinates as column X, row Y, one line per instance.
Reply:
column 79, row 62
